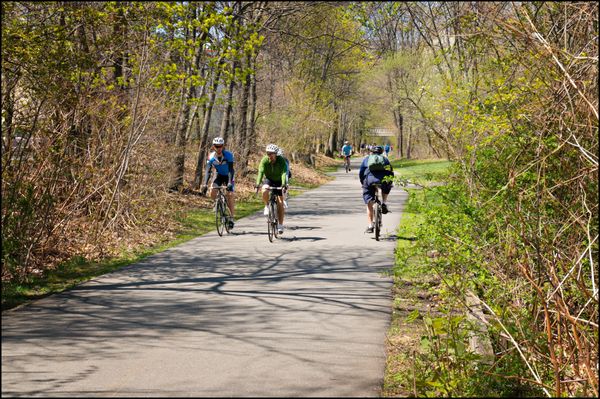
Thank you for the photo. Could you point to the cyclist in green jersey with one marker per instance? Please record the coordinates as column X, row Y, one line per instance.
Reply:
column 273, row 169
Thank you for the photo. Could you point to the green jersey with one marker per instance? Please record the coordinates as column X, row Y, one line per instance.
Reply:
column 276, row 171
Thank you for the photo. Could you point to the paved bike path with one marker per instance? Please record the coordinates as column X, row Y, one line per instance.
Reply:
column 223, row 316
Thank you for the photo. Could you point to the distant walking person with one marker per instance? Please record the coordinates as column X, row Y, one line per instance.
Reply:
column 387, row 149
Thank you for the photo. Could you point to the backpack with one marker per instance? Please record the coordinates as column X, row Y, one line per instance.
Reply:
column 376, row 162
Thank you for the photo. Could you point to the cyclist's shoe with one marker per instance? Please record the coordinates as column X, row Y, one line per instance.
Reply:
column 280, row 228
column 231, row 223
column 266, row 211
column 369, row 229
column 384, row 209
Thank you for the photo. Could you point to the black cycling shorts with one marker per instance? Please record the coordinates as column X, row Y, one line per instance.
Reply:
column 221, row 180
column 273, row 183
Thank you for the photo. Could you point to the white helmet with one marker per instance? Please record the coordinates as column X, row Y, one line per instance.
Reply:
column 218, row 141
column 346, row 142
column 272, row 148
column 280, row 151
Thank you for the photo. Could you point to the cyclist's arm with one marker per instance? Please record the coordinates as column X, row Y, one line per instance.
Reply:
column 391, row 171
column 361, row 171
column 231, row 171
column 261, row 172
column 207, row 172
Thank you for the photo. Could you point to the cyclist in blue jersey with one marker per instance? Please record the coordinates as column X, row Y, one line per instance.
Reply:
column 222, row 161
column 347, row 152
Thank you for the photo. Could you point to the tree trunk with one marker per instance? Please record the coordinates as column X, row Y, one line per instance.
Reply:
column 333, row 136
column 243, row 118
column 203, row 147
column 184, row 123
column 251, row 135
column 224, row 131
column 400, row 126
column 408, row 142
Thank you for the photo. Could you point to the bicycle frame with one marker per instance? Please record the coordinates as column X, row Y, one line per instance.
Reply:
column 222, row 212
column 272, row 219
column 377, row 214
column 347, row 163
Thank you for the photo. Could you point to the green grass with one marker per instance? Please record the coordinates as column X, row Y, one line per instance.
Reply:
column 421, row 171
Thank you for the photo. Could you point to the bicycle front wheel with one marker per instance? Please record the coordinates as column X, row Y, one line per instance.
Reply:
column 270, row 227
column 273, row 218
column 219, row 216
column 226, row 217
column 377, row 220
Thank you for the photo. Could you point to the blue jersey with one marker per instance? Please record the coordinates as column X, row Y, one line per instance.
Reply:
column 347, row 149
column 221, row 165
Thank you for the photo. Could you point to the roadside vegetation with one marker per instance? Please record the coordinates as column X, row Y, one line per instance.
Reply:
column 429, row 353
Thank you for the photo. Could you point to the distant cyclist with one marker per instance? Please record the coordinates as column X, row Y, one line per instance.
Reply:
column 373, row 169
column 273, row 169
column 387, row 149
column 222, row 161
column 347, row 152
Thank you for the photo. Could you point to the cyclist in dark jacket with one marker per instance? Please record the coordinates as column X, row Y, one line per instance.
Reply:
column 369, row 177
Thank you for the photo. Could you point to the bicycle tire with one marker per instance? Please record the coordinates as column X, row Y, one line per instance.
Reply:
column 274, row 221
column 377, row 220
column 270, row 227
column 219, row 217
column 226, row 216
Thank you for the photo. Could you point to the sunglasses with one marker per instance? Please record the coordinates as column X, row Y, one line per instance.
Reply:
column 218, row 146
column 271, row 153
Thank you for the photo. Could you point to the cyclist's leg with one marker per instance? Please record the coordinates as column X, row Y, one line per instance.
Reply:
column 231, row 203
column 385, row 191
column 265, row 191
column 369, row 199
column 370, row 212
column 219, row 181
column 280, row 209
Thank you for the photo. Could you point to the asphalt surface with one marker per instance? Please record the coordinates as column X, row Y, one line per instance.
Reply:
column 235, row 315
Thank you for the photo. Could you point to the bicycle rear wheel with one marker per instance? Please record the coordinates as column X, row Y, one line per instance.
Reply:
column 219, row 217
column 377, row 220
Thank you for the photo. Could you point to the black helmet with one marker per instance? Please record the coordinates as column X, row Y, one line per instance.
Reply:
column 377, row 149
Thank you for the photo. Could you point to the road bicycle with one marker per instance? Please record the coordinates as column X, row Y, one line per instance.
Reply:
column 222, row 213
column 347, row 163
column 272, row 219
column 377, row 213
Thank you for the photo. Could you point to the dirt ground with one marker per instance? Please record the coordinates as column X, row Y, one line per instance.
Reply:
column 411, row 295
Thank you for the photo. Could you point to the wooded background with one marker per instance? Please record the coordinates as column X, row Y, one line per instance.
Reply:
column 108, row 106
